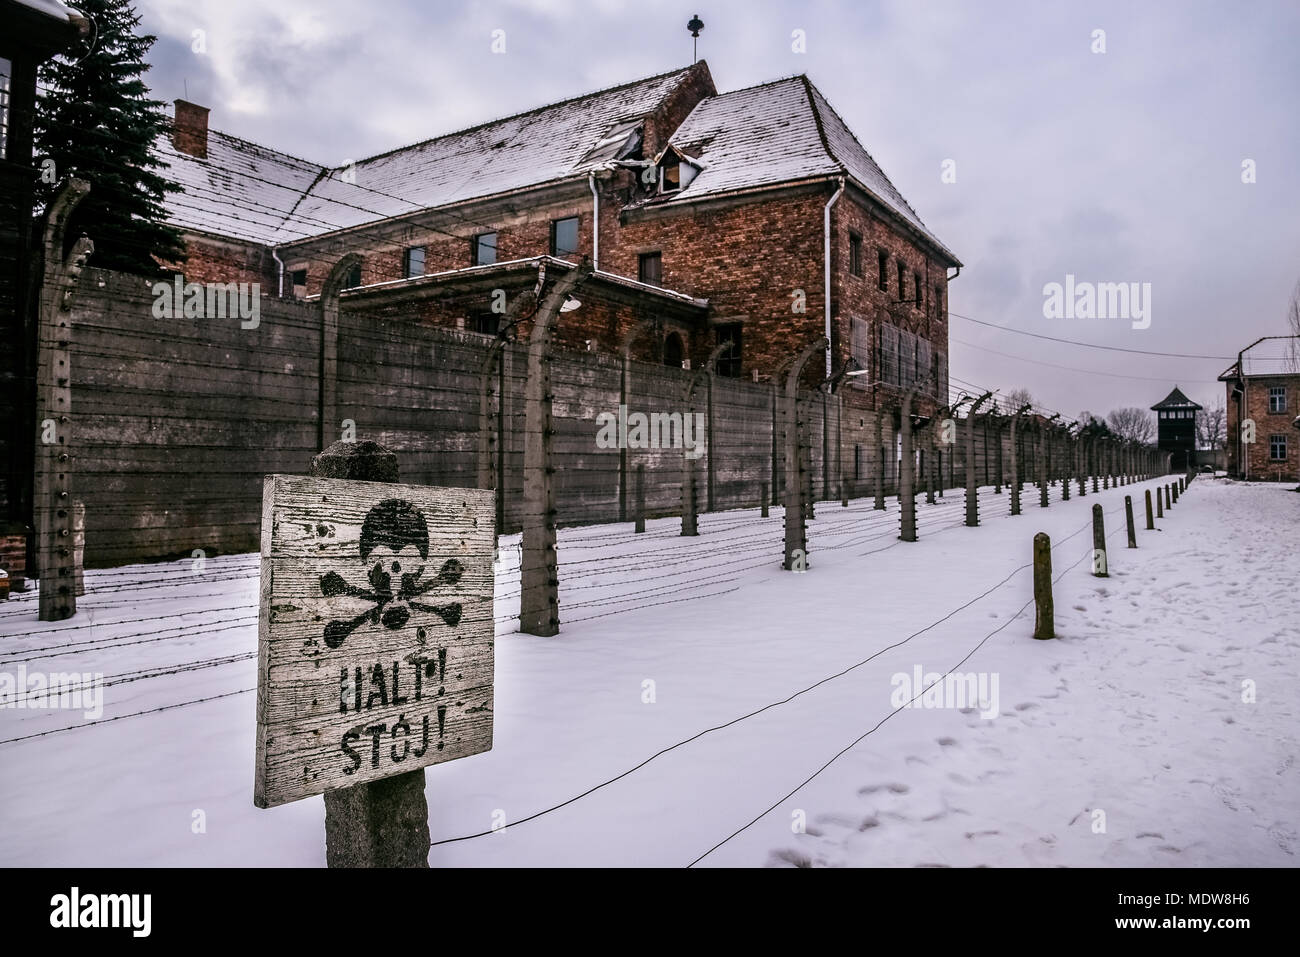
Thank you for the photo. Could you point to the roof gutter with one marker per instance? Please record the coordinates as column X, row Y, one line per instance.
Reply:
column 826, row 251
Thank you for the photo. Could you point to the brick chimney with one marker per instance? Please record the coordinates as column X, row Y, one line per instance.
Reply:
column 190, row 129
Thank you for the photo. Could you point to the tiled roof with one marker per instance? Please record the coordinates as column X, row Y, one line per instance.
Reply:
column 1174, row 400
column 241, row 190
column 529, row 149
column 779, row 132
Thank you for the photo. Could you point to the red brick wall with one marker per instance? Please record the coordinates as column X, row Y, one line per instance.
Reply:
column 1261, row 466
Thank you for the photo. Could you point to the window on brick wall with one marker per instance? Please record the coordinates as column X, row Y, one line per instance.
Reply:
column 902, row 282
column 882, row 264
column 674, row 351
column 298, row 282
column 860, row 350
column 728, row 364
column 917, row 289
column 564, row 237
column 889, row 354
column 650, row 268
column 1277, row 398
column 483, row 249
column 855, row 254
column 353, row 278
column 413, row 262
column 485, row 323
column 938, row 302
column 1277, row 448
column 924, row 366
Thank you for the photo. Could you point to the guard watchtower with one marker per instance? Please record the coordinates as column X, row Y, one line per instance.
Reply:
column 1176, row 428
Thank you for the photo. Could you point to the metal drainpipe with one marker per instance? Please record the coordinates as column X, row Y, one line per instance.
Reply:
column 595, row 221
column 826, row 301
column 280, row 262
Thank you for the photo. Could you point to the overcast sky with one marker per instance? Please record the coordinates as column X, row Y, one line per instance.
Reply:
column 1122, row 166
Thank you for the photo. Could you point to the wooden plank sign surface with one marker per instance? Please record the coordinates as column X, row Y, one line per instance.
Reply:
column 375, row 634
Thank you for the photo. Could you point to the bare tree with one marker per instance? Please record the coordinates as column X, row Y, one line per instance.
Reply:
column 1211, row 426
column 1132, row 424
column 1293, row 320
column 1015, row 399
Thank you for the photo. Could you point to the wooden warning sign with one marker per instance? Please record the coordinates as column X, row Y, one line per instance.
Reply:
column 375, row 637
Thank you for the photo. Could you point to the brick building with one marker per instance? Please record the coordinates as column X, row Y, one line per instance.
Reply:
column 1263, row 390
column 717, row 217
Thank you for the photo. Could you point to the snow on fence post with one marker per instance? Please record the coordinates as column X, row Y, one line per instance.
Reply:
column 1044, row 609
column 639, row 498
column 906, row 489
column 1151, row 522
column 1099, row 543
column 796, row 533
column 972, row 489
column 1128, row 518
column 53, row 461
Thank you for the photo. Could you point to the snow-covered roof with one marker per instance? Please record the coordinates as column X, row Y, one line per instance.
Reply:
column 241, row 190
column 530, row 149
column 779, row 132
column 53, row 8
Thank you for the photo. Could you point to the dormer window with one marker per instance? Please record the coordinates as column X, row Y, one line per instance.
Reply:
column 676, row 170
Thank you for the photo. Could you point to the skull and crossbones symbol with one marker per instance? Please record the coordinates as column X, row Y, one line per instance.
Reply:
column 395, row 545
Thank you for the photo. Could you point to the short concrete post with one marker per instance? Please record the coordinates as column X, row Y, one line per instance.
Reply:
column 1044, row 610
column 1128, row 517
column 1160, row 503
column 844, row 494
column 1151, row 522
column 382, row 823
column 763, row 499
column 1099, row 542
column 639, row 497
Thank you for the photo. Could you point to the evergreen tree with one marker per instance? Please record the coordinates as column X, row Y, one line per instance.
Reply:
column 95, row 120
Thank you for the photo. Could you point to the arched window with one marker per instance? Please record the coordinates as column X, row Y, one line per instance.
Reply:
column 674, row 351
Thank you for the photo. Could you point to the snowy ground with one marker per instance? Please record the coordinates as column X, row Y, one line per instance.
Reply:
column 1135, row 711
